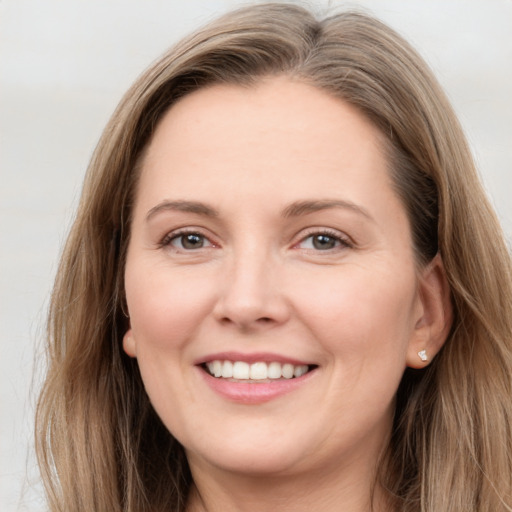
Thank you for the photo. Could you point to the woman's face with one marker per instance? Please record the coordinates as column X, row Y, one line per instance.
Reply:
column 271, row 281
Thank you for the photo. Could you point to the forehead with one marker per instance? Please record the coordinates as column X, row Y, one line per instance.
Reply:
column 277, row 128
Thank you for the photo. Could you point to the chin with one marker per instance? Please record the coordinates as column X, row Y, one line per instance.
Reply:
column 249, row 455
column 252, row 462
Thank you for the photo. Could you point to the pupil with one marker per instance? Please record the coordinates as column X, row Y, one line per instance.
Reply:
column 192, row 241
column 323, row 242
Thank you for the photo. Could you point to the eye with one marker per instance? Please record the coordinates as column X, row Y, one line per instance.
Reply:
column 323, row 241
column 187, row 241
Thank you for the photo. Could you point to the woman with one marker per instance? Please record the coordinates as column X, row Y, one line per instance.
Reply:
column 284, row 289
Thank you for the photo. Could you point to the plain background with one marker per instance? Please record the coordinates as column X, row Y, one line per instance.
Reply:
column 64, row 66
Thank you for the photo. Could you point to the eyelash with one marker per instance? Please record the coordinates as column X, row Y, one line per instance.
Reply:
column 341, row 241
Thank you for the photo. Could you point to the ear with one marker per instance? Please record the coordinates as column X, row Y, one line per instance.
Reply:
column 129, row 345
column 435, row 315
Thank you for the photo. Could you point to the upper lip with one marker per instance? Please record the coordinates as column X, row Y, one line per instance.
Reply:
column 255, row 357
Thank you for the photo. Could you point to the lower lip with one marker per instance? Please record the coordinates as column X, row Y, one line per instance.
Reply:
column 254, row 392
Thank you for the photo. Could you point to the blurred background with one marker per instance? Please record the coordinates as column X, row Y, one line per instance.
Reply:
column 64, row 66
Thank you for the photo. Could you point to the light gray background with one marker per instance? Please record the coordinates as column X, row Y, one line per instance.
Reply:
column 63, row 67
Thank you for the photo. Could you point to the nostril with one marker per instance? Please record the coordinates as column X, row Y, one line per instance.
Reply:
column 262, row 321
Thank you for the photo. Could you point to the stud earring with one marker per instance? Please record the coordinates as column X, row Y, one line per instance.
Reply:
column 423, row 355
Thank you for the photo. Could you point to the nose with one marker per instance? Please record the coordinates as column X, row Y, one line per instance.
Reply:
column 251, row 297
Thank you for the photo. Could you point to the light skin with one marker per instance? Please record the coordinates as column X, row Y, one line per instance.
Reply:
column 266, row 223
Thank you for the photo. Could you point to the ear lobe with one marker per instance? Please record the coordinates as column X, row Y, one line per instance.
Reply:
column 433, row 326
column 129, row 345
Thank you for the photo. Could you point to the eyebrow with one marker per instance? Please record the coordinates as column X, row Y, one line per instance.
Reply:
column 183, row 206
column 295, row 209
column 299, row 208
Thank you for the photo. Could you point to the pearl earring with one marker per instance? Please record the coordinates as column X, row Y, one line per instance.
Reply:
column 423, row 355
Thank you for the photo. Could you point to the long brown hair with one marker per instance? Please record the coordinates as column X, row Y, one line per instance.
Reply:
column 101, row 445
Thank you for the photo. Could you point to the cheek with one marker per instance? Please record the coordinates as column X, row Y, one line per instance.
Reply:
column 359, row 312
column 166, row 307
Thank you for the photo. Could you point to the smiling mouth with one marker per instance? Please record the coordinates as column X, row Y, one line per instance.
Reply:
column 255, row 372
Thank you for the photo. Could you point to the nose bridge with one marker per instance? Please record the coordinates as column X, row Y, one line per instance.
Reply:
column 250, row 294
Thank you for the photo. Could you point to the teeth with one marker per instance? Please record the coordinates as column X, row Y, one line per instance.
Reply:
column 241, row 370
column 299, row 370
column 287, row 371
column 274, row 371
column 258, row 371
column 217, row 368
column 227, row 369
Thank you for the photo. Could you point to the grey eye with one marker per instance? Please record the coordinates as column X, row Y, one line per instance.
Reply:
column 189, row 241
column 323, row 242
